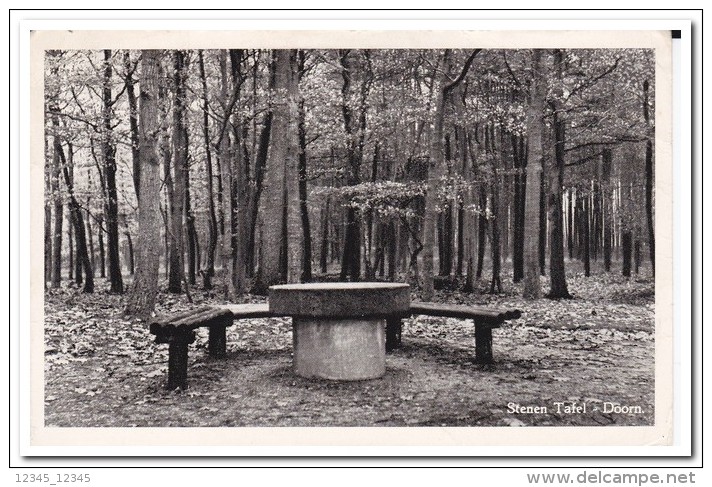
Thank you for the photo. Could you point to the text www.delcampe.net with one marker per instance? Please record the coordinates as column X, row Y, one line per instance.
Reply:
column 600, row 477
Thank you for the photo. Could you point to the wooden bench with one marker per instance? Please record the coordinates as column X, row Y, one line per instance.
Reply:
column 484, row 318
column 178, row 330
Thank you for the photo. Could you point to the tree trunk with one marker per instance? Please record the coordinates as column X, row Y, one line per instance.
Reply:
column 239, row 175
column 441, row 247
column 133, row 122
column 212, row 218
column 141, row 300
column 47, row 219
column 82, row 263
column 649, row 177
column 129, row 244
column 556, row 181
column 627, row 252
column 587, row 235
column 351, row 258
column 469, row 218
column 435, row 172
column 90, row 239
column 505, row 193
column 578, row 217
column 58, row 211
column 192, row 236
column 111, row 204
column 542, row 221
column 496, row 284
column 482, row 225
column 636, row 255
column 606, row 162
column 596, row 237
column 176, row 268
column 460, row 239
column 520, row 181
column 303, row 209
column 166, row 238
column 324, row 249
column 226, row 177
column 281, row 164
column 535, row 127
column 102, row 252
column 164, row 148
column 570, row 224
column 70, row 245
column 446, row 267
column 295, row 173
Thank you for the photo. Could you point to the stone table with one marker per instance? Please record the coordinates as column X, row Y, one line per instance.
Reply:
column 339, row 328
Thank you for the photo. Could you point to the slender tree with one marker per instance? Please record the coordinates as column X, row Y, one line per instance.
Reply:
column 557, row 272
column 142, row 298
column 606, row 167
column 226, row 177
column 83, row 263
column 47, row 218
column 303, row 209
column 240, row 158
column 111, row 203
column 649, row 174
column 535, row 113
column 54, row 179
column 520, row 185
column 351, row 258
column 180, row 167
column 209, row 272
column 130, row 82
column 58, row 211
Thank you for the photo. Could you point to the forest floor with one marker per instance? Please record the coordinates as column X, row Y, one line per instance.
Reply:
column 597, row 350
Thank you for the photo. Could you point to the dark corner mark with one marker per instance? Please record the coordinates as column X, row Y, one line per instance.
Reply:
column 676, row 34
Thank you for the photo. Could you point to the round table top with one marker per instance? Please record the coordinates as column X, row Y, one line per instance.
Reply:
column 340, row 299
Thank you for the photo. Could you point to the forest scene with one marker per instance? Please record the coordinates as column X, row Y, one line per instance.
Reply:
column 515, row 178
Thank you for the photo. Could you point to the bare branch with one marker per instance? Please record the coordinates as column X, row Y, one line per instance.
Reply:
column 593, row 81
column 453, row 84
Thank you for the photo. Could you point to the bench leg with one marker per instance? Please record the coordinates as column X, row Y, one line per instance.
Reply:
column 394, row 328
column 483, row 344
column 178, row 360
column 217, row 341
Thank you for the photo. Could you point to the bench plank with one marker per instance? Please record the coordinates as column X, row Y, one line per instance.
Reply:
column 477, row 313
column 199, row 318
column 259, row 310
column 171, row 318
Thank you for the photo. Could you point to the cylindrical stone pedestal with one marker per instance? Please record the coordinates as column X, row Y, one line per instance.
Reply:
column 350, row 349
column 339, row 328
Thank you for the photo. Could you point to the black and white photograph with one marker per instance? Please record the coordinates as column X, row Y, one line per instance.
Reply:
column 387, row 238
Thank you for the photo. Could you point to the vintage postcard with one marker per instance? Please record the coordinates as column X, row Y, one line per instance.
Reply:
column 351, row 238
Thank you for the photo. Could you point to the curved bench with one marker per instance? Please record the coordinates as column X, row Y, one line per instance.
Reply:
column 339, row 329
column 178, row 331
column 484, row 319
